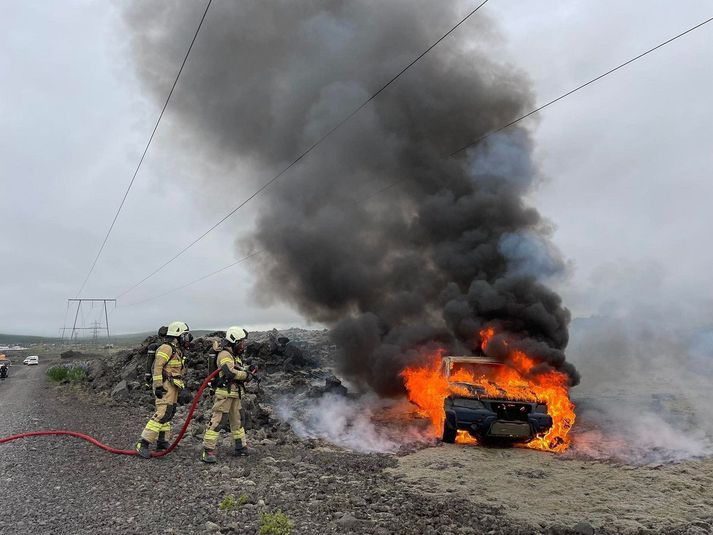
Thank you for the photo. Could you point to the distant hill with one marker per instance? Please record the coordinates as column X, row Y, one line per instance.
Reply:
column 19, row 339
column 131, row 339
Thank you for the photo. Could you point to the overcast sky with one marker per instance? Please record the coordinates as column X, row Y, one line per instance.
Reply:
column 625, row 163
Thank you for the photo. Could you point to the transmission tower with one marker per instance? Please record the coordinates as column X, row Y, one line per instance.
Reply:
column 96, row 326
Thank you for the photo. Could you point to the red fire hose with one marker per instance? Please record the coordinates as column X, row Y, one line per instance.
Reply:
column 94, row 441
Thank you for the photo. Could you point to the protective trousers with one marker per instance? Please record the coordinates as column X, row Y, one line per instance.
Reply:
column 225, row 407
column 160, row 422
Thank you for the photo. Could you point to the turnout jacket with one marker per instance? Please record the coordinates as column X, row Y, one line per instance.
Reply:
column 169, row 365
column 231, row 373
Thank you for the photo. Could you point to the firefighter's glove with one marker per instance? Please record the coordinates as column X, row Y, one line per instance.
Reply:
column 184, row 397
column 159, row 391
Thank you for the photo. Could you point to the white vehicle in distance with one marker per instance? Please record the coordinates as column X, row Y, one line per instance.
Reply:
column 32, row 360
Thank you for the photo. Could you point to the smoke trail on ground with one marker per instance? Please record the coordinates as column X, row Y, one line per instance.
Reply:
column 453, row 247
column 353, row 423
column 645, row 395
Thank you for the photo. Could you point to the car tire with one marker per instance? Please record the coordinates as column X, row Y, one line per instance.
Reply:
column 449, row 433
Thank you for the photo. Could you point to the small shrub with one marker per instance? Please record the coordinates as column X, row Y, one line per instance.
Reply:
column 228, row 503
column 76, row 374
column 57, row 373
column 76, row 371
column 274, row 524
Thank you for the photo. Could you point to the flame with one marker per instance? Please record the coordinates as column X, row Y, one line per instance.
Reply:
column 463, row 437
column 427, row 387
column 485, row 336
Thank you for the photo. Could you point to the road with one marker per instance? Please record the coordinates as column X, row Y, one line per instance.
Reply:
column 52, row 485
column 16, row 397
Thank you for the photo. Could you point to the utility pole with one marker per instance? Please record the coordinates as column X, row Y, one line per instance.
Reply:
column 96, row 327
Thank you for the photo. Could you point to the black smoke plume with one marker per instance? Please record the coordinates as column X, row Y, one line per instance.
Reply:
column 378, row 232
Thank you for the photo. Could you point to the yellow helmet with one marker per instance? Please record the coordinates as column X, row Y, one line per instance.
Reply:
column 235, row 334
column 177, row 328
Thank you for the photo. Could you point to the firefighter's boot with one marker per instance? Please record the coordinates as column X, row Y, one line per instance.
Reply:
column 142, row 446
column 240, row 449
column 208, row 456
column 162, row 444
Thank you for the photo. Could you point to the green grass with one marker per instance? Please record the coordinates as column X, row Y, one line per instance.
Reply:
column 67, row 372
column 274, row 524
column 230, row 502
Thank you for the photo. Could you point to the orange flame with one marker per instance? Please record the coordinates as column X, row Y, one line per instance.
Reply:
column 485, row 336
column 427, row 387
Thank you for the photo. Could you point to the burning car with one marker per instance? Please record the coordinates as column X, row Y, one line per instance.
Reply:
column 477, row 405
column 515, row 399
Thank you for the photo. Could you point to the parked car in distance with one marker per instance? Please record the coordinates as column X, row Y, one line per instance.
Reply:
column 31, row 360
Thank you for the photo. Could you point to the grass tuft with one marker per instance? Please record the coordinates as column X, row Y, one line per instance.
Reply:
column 77, row 371
column 274, row 524
column 228, row 503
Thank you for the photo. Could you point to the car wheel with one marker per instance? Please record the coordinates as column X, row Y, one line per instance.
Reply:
column 449, row 433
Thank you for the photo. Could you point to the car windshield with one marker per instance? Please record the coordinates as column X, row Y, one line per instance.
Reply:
column 473, row 370
column 487, row 376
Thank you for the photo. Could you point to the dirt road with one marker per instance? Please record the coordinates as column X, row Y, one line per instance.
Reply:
column 62, row 485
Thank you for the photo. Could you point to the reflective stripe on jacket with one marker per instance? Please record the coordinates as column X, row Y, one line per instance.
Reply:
column 232, row 362
column 169, row 364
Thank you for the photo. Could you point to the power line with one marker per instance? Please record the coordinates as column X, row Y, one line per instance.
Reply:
column 390, row 185
column 254, row 253
column 148, row 144
column 306, row 152
column 511, row 123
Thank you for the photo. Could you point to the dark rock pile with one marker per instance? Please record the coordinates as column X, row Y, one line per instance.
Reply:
column 285, row 363
column 76, row 355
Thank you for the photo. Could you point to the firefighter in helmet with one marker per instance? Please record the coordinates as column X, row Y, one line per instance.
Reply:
column 168, row 388
column 227, row 395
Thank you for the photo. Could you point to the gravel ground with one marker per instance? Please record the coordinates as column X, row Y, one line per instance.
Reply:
column 543, row 489
column 63, row 485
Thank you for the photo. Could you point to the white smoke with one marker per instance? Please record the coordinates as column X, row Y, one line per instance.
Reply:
column 365, row 424
column 644, row 397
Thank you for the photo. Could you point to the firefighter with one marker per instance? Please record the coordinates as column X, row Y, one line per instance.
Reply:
column 168, row 388
column 227, row 395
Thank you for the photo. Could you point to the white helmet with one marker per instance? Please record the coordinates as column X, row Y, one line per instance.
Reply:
column 177, row 328
column 235, row 334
